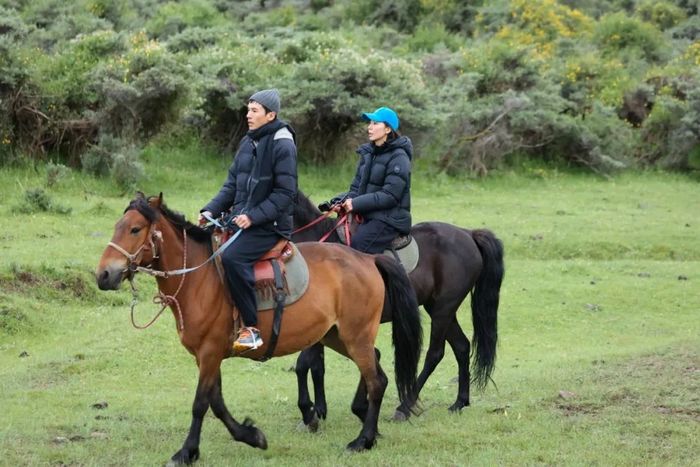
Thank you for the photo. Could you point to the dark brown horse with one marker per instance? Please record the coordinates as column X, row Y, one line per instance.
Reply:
column 342, row 309
column 453, row 262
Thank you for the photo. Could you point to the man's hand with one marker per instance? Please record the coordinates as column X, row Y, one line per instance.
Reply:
column 201, row 219
column 242, row 221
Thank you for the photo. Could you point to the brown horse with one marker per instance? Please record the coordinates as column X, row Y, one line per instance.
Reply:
column 342, row 308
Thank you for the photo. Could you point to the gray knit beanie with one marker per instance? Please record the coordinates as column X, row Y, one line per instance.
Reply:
column 269, row 98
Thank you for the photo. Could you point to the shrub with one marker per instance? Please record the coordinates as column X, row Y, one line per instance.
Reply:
column 617, row 33
column 55, row 173
column 140, row 91
column 489, row 130
column 37, row 200
column 660, row 13
column 403, row 15
column 174, row 17
column 115, row 157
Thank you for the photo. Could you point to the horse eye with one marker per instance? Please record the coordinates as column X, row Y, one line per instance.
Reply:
column 135, row 230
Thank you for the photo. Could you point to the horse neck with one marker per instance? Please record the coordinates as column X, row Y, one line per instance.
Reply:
column 171, row 254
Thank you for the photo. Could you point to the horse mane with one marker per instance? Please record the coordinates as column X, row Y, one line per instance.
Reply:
column 177, row 219
column 306, row 212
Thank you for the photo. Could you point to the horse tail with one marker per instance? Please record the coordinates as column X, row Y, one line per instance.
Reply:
column 485, row 297
column 406, row 328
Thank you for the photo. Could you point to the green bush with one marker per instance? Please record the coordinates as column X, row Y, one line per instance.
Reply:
column 174, row 17
column 403, row 15
column 37, row 200
column 663, row 14
column 617, row 33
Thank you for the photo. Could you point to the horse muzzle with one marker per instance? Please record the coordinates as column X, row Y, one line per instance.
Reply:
column 110, row 277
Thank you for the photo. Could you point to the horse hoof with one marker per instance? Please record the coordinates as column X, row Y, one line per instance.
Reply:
column 311, row 427
column 457, row 407
column 183, row 457
column 260, row 439
column 360, row 444
column 399, row 416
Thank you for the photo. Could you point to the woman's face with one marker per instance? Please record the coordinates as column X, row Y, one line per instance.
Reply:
column 378, row 132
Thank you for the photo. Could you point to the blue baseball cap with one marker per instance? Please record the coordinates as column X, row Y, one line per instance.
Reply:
column 384, row 115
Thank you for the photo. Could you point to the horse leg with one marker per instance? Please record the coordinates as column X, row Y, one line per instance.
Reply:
column 208, row 387
column 436, row 350
column 373, row 384
column 246, row 431
column 360, row 403
column 309, row 359
column 318, row 373
column 190, row 449
column 460, row 346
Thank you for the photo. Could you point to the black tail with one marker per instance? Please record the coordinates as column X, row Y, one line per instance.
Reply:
column 406, row 329
column 485, row 297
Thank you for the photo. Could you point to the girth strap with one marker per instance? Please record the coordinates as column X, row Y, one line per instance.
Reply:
column 280, row 297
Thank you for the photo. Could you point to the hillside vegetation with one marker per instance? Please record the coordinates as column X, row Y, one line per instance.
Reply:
column 604, row 85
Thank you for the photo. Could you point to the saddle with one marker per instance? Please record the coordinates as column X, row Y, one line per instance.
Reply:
column 403, row 248
column 277, row 257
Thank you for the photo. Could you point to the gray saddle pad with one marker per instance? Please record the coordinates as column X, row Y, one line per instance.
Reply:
column 408, row 255
column 297, row 281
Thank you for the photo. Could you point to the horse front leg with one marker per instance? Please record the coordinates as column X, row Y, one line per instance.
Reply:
column 190, row 449
column 309, row 359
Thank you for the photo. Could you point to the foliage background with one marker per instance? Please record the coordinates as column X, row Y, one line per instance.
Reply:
column 604, row 85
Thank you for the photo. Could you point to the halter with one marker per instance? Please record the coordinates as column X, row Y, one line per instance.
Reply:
column 160, row 298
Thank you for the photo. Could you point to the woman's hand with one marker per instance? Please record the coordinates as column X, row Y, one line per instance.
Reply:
column 347, row 205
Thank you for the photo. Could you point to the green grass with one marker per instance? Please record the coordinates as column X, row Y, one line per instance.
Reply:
column 599, row 300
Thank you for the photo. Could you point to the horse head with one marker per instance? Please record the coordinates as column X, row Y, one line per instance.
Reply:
column 134, row 243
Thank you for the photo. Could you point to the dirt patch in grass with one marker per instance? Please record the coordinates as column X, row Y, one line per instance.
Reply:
column 664, row 384
column 57, row 284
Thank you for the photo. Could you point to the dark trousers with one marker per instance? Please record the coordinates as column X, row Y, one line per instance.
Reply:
column 373, row 236
column 238, row 260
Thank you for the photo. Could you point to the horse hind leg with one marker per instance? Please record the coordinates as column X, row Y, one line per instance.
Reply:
column 374, row 381
column 460, row 346
column 360, row 404
column 441, row 320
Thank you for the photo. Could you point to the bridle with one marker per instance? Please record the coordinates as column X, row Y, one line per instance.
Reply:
column 133, row 267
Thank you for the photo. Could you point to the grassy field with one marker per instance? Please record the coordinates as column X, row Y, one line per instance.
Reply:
column 598, row 363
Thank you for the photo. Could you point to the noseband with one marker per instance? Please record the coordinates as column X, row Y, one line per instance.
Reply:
column 133, row 265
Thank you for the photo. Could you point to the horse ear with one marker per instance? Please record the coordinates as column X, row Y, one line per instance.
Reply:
column 156, row 202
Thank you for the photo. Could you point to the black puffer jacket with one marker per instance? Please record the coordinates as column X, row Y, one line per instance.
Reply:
column 262, row 181
column 381, row 188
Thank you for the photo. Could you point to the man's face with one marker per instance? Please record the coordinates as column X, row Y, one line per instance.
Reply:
column 257, row 117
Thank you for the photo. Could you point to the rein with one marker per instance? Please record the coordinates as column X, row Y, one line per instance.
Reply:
column 343, row 220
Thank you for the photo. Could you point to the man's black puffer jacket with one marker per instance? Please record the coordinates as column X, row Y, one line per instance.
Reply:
column 263, row 187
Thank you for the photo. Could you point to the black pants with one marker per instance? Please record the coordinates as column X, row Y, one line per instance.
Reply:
column 238, row 260
column 373, row 236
